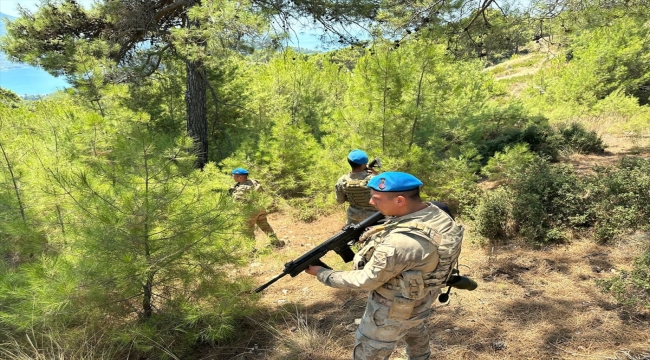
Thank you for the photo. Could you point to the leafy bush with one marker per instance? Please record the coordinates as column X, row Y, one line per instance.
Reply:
column 631, row 288
column 576, row 138
column 513, row 160
column 493, row 214
column 541, row 139
column 538, row 203
column 545, row 141
column 619, row 198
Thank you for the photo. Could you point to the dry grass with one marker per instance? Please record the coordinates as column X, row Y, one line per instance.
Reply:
column 530, row 304
column 49, row 346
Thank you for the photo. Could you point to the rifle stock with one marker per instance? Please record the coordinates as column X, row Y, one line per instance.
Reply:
column 339, row 243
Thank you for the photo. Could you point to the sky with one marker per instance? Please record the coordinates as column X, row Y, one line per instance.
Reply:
column 10, row 7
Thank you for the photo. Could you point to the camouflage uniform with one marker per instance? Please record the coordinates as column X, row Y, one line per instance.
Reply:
column 239, row 193
column 352, row 188
column 404, row 269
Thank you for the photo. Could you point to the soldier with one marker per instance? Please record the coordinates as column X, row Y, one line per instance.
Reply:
column 404, row 263
column 352, row 188
column 241, row 192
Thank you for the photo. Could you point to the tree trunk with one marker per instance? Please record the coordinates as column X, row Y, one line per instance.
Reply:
column 195, row 100
column 197, row 117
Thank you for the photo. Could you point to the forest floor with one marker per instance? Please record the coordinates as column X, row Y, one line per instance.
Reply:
column 530, row 303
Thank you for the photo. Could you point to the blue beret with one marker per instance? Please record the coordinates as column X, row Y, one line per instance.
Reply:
column 358, row 157
column 240, row 171
column 392, row 181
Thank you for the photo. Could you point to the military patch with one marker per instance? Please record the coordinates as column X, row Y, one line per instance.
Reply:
column 382, row 184
column 381, row 258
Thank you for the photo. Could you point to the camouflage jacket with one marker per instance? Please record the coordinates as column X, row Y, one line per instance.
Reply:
column 390, row 251
column 241, row 191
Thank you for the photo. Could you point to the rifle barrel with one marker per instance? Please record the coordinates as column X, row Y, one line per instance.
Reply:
column 270, row 282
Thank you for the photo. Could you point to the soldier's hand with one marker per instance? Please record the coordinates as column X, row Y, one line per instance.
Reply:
column 313, row 270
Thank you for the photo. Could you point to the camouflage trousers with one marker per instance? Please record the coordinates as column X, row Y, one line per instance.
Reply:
column 377, row 334
column 259, row 218
column 356, row 215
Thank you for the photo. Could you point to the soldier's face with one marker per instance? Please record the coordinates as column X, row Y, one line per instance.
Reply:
column 387, row 203
column 238, row 178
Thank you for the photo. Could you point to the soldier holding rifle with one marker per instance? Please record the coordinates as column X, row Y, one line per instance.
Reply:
column 403, row 263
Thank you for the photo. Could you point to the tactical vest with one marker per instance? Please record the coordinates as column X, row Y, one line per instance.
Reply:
column 357, row 194
column 413, row 284
column 238, row 190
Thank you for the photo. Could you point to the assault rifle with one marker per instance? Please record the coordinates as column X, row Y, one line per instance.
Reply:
column 376, row 163
column 339, row 243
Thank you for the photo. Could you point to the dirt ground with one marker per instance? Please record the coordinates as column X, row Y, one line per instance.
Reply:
column 530, row 303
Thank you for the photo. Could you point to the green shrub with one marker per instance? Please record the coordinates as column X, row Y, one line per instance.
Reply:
column 544, row 141
column 504, row 164
column 631, row 288
column 540, row 139
column 577, row 139
column 619, row 198
column 493, row 214
column 546, row 196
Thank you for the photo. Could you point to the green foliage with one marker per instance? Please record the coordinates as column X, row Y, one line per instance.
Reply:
column 603, row 61
column 545, row 141
column 631, row 288
column 493, row 214
column 9, row 97
column 540, row 201
column 540, row 139
column 619, row 198
column 132, row 230
column 505, row 165
column 577, row 139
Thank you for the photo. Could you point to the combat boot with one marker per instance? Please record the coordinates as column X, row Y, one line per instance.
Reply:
column 275, row 242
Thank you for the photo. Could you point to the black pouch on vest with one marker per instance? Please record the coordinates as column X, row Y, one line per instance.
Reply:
column 401, row 308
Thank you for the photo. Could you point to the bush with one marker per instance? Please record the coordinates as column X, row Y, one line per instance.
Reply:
column 545, row 200
column 632, row 288
column 540, row 139
column 619, row 198
column 576, row 138
column 545, row 142
column 493, row 214
column 504, row 165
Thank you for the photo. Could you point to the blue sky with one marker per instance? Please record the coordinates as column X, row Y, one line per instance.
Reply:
column 10, row 7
